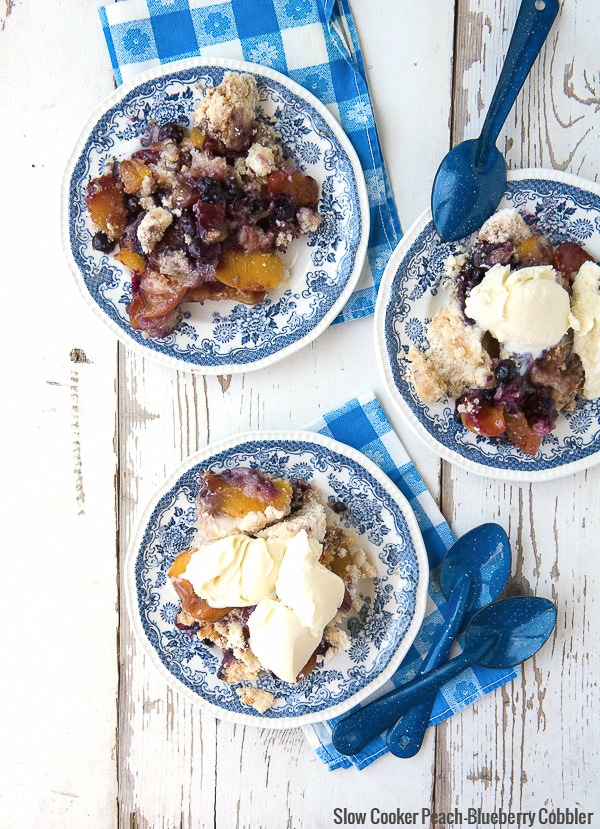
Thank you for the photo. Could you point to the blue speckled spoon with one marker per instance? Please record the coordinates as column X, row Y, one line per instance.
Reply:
column 471, row 179
column 502, row 635
column 474, row 573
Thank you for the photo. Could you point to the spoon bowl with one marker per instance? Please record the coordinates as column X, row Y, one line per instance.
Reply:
column 483, row 554
column 467, row 189
column 520, row 627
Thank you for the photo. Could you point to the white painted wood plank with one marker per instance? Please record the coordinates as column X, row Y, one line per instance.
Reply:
column 59, row 618
column 528, row 746
column 165, row 416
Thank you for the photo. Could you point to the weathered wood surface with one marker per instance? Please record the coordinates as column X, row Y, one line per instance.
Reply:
column 531, row 745
column 91, row 735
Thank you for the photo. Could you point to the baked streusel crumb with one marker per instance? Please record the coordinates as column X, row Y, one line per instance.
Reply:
column 504, row 225
column 257, row 698
column 455, row 360
column 228, row 110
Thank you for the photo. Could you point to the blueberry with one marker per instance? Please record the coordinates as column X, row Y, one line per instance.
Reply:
column 337, row 506
column 101, row 242
column 488, row 396
column 466, row 279
column 210, row 190
column 232, row 190
column 188, row 225
column 132, row 205
column 506, row 371
column 174, row 132
column 283, row 208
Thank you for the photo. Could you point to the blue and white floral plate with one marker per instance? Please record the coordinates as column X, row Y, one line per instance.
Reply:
column 380, row 636
column 226, row 337
column 564, row 208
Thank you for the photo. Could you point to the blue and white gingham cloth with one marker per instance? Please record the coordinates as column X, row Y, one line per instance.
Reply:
column 362, row 423
column 314, row 42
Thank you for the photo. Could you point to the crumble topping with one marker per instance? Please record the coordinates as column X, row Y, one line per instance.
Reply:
column 259, row 699
column 453, row 264
column 229, row 110
column 310, row 518
column 505, row 225
column 455, row 361
column 266, row 136
column 174, row 263
column 308, row 220
column 148, row 203
column 152, row 228
column 337, row 639
column 148, row 186
column 205, row 165
column 261, row 160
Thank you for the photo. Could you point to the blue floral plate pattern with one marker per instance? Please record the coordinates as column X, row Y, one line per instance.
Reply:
column 380, row 635
column 564, row 208
column 225, row 337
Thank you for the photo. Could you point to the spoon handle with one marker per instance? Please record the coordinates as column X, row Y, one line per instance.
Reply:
column 533, row 24
column 359, row 728
column 406, row 737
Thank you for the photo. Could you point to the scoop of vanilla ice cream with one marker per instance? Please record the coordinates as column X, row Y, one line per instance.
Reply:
column 236, row 571
column 586, row 339
column 525, row 310
column 307, row 586
column 279, row 640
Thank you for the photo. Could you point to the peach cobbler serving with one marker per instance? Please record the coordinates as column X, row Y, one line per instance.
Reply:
column 203, row 213
column 519, row 340
column 271, row 578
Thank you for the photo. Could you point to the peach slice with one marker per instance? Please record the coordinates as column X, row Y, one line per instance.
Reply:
column 229, row 499
column 105, row 200
column 194, row 605
column 303, row 188
column 195, row 139
column 180, row 564
column 156, row 298
column 536, row 250
column 486, row 420
column 133, row 173
column 569, row 257
column 257, row 271
column 132, row 260
column 521, row 435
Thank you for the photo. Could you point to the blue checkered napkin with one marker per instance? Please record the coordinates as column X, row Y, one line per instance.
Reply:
column 314, row 42
column 362, row 423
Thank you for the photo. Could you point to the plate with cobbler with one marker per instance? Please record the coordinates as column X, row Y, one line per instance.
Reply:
column 277, row 579
column 490, row 347
column 214, row 215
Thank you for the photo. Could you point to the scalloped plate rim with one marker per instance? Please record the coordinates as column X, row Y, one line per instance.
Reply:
column 445, row 453
column 340, row 708
column 362, row 205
